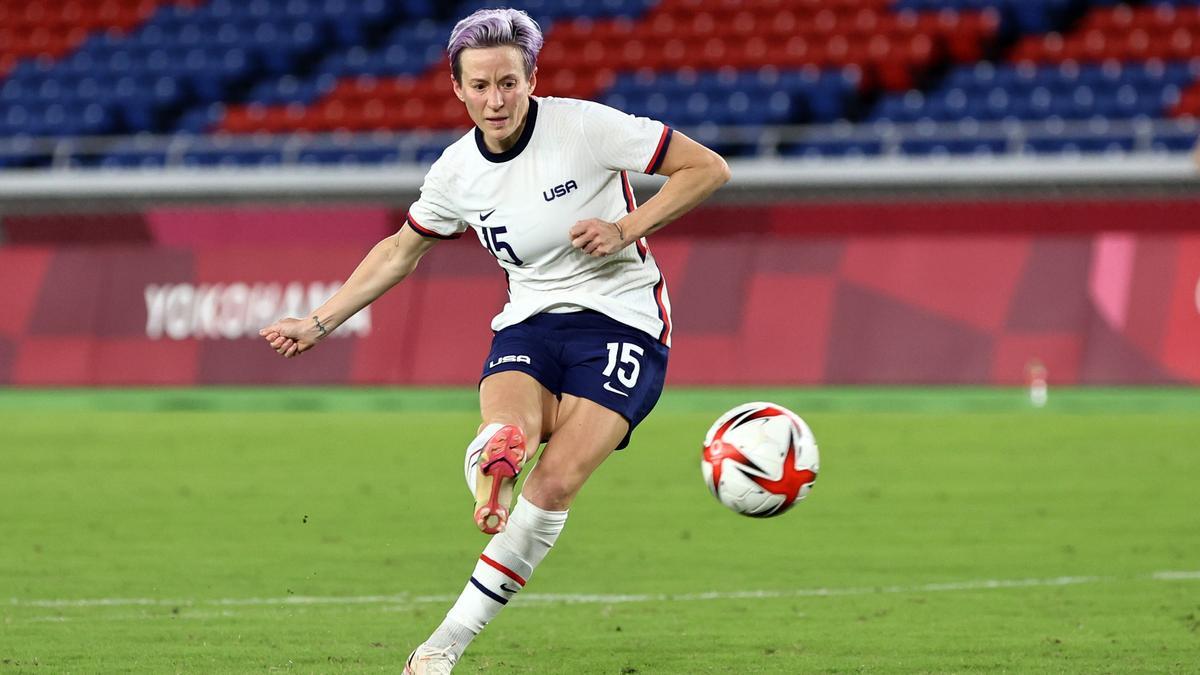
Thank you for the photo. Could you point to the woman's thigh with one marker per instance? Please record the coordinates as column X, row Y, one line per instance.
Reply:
column 583, row 436
column 515, row 397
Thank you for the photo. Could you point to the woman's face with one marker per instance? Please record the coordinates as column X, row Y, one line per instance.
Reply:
column 496, row 93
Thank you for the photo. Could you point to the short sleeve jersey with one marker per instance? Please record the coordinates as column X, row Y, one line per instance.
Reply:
column 570, row 163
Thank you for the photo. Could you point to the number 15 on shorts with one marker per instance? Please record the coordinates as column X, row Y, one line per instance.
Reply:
column 623, row 360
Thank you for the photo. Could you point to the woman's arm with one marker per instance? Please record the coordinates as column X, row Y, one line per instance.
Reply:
column 693, row 173
column 386, row 265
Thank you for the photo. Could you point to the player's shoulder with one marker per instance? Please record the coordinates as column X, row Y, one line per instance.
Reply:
column 567, row 117
column 570, row 108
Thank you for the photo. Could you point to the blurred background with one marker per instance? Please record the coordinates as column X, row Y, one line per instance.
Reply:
column 981, row 192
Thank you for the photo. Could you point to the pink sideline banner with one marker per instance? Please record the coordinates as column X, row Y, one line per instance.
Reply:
column 794, row 294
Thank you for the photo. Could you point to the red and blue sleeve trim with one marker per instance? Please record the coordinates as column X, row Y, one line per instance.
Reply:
column 630, row 205
column 627, row 192
column 664, row 142
column 659, row 288
column 426, row 232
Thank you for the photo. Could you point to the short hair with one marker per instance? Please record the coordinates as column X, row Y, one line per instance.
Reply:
column 495, row 28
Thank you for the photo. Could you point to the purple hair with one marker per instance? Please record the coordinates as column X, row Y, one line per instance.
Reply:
column 495, row 28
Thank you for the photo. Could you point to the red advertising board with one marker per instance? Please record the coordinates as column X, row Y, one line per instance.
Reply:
column 947, row 293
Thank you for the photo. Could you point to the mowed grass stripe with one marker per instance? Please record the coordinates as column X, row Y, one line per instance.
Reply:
column 948, row 399
column 607, row 599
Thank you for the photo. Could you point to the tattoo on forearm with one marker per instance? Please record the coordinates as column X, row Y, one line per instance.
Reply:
column 320, row 326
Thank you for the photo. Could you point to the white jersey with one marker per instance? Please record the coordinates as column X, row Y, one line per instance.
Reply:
column 569, row 164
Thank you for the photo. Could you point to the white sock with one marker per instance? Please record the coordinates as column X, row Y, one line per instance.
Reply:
column 503, row 569
column 474, row 450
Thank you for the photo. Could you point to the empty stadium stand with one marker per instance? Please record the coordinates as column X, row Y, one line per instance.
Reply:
column 152, row 83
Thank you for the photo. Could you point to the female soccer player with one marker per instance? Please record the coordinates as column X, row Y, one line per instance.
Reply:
column 580, row 349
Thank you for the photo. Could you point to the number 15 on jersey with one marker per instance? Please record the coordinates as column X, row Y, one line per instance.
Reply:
column 493, row 242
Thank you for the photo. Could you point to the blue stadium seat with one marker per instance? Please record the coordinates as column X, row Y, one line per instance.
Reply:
column 1080, row 144
column 833, row 148
column 1175, row 140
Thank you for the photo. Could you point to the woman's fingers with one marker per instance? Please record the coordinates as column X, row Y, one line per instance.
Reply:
column 283, row 345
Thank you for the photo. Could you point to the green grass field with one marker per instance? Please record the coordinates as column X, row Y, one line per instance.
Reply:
column 954, row 530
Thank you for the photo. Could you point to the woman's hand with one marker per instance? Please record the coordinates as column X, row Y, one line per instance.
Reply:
column 292, row 337
column 597, row 237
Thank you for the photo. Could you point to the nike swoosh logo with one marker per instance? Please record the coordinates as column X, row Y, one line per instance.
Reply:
column 615, row 391
column 484, row 216
column 507, row 589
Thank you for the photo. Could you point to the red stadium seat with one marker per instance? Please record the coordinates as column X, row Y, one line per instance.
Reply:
column 596, row 54
column 795, row 52
column 784, row 24
column 569, row 31
column 826, row 21
column 865, row 22
column 632, row 55
column 663, row 25
column 399, row 87
column 374, row 115
column 1093, row 44
column 748, row 54
column 713, row 54
column 280, row 120
column 411, row 114
column 1184, row 43
column 331, row 115
column 701, row 24
column 745, row 24
column 1189, row 103
column 1142, row 45
column 236, row 121
column 619, row 28
column 555, row 54
column 558, row 84
column 392, row 118
column 453, row 116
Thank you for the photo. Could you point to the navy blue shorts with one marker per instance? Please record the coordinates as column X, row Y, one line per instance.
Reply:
column 585, row 354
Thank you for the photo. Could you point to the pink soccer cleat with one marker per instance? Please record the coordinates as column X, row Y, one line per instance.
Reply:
column 498, row 467
column 429, row 661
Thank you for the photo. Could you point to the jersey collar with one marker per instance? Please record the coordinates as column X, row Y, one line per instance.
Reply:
column 526, row 134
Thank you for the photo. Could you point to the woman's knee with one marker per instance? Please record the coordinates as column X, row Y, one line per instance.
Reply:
column 552, row 489
column 530, row 425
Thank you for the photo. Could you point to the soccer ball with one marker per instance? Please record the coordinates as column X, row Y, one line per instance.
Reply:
column 760, row 459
